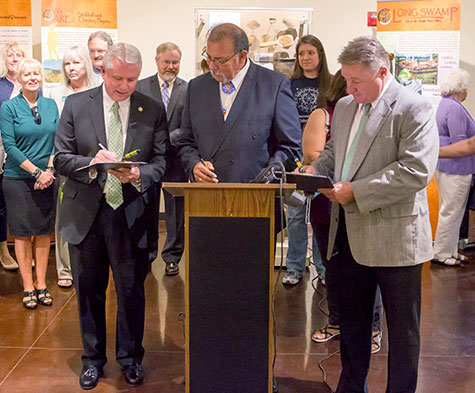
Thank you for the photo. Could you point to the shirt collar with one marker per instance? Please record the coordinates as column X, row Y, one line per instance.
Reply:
column 161, row 81
column 385, row 87
column 239, row 78
column 109, row 101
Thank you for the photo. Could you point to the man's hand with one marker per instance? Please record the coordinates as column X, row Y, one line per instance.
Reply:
column 310, row 170
column 342, row 192
column 126, row 175
column 204, row 172
column 104, row 156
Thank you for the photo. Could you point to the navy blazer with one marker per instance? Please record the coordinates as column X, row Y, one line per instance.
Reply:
column 262, row 126
column 80, row 130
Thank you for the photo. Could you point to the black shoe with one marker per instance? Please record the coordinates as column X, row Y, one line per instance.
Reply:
column 90, row 377
column 133, row 374
column 171, row 268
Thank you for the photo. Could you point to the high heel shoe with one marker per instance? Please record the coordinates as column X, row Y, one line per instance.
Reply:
column 30, row 301
column 44, row 297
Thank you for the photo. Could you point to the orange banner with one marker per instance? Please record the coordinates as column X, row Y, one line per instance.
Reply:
column 80, row 13
column 420, row 15
column 15, row 13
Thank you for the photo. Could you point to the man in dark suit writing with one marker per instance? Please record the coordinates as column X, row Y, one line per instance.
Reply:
column 109, row 219
column 170, row 90
column 239, row 117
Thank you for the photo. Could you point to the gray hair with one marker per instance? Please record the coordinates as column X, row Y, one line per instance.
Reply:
column 126, row 53
column 166, row 47
column 13, row 46
column 103, row 36
column 231, row 32
column 81, row 53
column 26, row 62
column 366, row 50
column 455, row 81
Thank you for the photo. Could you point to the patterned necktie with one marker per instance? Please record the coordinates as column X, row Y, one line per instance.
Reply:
column 165, row 95
column 354, row 143
column 115, row 143
column 228, row 88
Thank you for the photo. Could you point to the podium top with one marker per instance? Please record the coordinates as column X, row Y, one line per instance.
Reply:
column 178, row 189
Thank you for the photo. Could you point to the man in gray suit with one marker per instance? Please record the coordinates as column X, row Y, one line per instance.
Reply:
column 382, row 155
column 166, row 88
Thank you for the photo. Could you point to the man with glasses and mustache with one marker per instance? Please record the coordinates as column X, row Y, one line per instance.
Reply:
column 97, row 44
column 239, row 117
column 170, row 91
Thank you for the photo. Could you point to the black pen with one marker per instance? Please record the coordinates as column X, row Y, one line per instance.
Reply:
column 204, row 163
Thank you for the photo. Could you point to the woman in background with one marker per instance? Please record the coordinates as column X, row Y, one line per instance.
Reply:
column 28, row 125
column 310, row 76
column 10, row 55
column 77, row 75
column 453, row 175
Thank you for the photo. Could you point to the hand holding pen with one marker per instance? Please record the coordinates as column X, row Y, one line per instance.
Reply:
column 203, row 171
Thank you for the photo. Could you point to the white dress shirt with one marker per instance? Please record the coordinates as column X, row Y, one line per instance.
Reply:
column 227, row 100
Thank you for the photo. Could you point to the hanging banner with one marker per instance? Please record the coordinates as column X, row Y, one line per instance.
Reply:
column 66, row 23
column 424, row 37
column 15, row 23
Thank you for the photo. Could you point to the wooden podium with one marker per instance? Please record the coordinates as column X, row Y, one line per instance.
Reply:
column 229, row 253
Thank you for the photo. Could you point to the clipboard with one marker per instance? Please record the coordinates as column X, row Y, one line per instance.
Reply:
column 105, row 166
column 307, row 182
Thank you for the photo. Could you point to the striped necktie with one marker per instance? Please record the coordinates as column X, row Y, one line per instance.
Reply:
column 354, row 143
column 165, row 95
column 115, row 143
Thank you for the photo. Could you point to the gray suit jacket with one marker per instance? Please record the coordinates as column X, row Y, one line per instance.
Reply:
column 388, row 223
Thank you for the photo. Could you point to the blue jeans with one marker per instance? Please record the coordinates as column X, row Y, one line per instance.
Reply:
column 298, row 240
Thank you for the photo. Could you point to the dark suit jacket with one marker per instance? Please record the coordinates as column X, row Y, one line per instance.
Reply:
column 80, row 130
column 150, row 87
column 262, row 127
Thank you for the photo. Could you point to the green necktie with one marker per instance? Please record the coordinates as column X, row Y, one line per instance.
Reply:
column 354, row 143
column 115, row 143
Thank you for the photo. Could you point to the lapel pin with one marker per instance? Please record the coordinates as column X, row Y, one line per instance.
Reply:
column 140, row 109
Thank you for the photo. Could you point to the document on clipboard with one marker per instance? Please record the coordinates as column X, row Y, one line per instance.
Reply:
column 307, row 182
column 105, row 166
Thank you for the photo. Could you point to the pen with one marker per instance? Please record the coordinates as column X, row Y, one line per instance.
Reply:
column 131, row 154
column 299, row 165
column 102, row 146
column 203, row 162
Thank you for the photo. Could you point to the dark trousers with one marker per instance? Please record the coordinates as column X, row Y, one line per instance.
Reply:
column 174, row 215
column 175, row 223
column 401, row 294
column 109, row 243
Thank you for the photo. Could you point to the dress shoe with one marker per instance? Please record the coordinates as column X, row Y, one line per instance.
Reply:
column 171, row 268
column 90, row 377
column 133, row 374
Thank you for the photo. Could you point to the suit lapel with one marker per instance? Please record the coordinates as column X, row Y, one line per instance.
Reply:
column 177, row 86
column 375, row 122
column 217, row 120
column 135, row 112
column 155, row 88
column 242, row 97
column 96, row 111
column 343, row 135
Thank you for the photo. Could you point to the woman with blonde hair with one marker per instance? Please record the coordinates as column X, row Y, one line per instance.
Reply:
column 28, row 124
column 78, row 75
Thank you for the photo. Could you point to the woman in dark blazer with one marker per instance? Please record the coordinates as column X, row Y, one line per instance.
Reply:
column 28, row 125
column 10, row 55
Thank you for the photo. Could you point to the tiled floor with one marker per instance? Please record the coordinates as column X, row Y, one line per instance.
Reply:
column 40, row 350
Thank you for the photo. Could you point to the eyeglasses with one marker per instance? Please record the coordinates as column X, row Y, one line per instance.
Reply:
column 219, row 61
column 36, row 114
column 99, row 52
